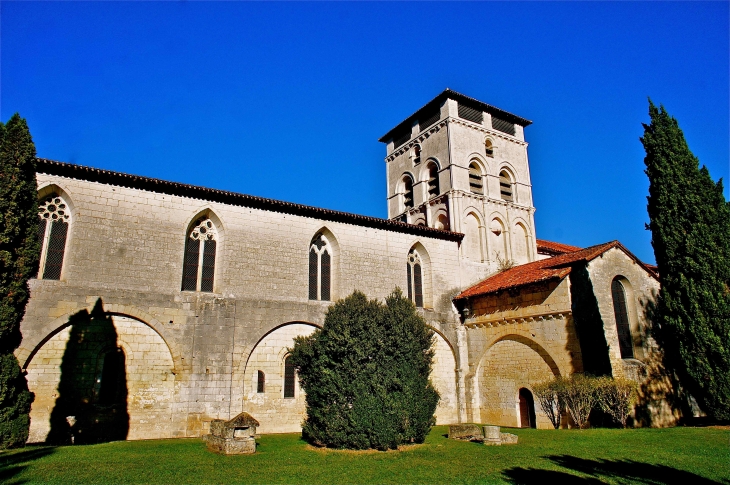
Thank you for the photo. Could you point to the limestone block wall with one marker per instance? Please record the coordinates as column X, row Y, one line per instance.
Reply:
column 125, row 252
column 641, row 290
column 443, row 377
column 656, row 390
column 276, row 413
column 148, row 378
column 514, row 341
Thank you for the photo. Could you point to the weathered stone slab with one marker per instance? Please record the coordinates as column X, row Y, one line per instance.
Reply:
column 230, row 446
column 492, row 436
column 464, row 431
column 508, row 438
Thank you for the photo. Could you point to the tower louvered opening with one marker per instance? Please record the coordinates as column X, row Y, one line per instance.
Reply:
column 470, row 114
column 505, row 186
column 476, row 185
column 433, row 180
column 429, row 117
column 503, row 126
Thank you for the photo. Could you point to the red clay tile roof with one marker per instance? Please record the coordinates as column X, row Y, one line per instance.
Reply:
column 555, row 268
column 554, row 248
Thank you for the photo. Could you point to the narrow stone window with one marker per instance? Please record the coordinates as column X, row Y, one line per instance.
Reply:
column 260, row 382
column 320, row 269
column 52, row 232
column 289, row 378
column 623, row 325
column 433, row 180
column 489, row 148
column 476, row 185
column 415, row 279
column 505, row 186
column 199, row 261
column 416, row 154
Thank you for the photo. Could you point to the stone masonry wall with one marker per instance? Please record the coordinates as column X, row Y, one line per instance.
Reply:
column 125, row 251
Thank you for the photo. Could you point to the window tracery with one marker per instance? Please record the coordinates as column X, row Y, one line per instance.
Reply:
column 415, row 278
column 200, row 249
column 52, row 233
column 320, row 268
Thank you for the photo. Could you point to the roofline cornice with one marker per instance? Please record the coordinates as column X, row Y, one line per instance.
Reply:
column 90, row 174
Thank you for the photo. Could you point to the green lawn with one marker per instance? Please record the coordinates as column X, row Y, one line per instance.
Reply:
column 678, row 455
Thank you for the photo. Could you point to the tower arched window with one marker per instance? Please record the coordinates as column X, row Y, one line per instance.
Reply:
column 200, row 249
column 407, row 192
column 623, row 324
column 414, row 272
column 52, row 233
column 505, row 186
column 476, row 185
column 416, row 154
column 433, row 180
column 489, row 147
column 320, row 268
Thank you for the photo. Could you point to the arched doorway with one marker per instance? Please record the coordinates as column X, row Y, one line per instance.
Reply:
column 527, row 409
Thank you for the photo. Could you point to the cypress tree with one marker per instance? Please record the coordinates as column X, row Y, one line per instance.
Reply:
column 366, row 375
column 19, row 248
column 690, row 225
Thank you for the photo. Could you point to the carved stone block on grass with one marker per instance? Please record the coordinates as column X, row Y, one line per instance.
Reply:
column 234, row 437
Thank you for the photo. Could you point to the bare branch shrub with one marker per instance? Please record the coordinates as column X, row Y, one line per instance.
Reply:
column 617, row 397
column 580, row 397
column 549, row 395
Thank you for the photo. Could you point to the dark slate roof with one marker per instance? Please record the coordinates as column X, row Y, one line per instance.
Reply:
column 550, row 269
column 109, row 177
column 463, row 99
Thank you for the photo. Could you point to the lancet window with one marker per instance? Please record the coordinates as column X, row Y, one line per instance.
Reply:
column 199, row 264
column 414, row 273
column 52, row 233
column 623, row 325
column 320, row 268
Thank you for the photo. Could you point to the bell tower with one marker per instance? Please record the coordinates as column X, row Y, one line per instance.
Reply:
column 460, row 164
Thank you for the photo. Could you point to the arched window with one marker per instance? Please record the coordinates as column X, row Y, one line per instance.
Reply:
column 623, row 325
column 52, row 232
column 260, row 381
column 199, row 263
column 505, row 186
column 489, row 148
column 289, row 377
column 407, row 192
column 320, row 268
column 433, row 180
column 416, row 154
column 476, row 185
column 415, row 278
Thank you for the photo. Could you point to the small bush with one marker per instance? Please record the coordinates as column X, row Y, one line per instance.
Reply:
column 366, row 375
column 616, row 397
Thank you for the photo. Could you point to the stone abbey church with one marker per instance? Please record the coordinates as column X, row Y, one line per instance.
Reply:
column 161, row 306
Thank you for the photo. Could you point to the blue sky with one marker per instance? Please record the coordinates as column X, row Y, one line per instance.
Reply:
column 288, row 100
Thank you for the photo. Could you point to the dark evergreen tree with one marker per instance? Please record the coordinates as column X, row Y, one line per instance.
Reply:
column 690, row 225
column 366, row 375
column 19, row 250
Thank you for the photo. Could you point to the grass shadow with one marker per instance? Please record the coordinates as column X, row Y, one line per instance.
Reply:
column 602, row 470
column 12, row 463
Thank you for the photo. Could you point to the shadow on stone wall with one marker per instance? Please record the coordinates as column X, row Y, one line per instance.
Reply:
column 661, row 401
column 92, row 394
column 589, row 324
